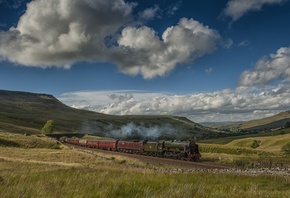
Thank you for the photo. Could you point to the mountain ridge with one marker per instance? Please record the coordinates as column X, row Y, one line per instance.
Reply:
column 264, row 124
column 26, row 112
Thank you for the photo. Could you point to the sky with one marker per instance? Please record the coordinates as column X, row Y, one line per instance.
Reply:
column 207, row 60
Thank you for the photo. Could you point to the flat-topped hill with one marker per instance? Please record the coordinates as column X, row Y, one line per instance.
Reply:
column 24, row 112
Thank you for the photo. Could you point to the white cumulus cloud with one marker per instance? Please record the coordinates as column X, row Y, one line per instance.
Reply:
column 142, row 51
column 62, row 33
column 149, row 13
column 227, row 105
column 238, row 8
column 268, row 69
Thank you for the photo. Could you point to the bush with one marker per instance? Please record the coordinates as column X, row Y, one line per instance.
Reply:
column 255, row 144
column 286, row 148
column 244, row 164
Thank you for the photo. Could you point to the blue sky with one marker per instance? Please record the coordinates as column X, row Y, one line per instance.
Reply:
column 208, row 60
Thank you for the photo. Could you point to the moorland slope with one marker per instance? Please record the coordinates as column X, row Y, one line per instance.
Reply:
column 24, row 112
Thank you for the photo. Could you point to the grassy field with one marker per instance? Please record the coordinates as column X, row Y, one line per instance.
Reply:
column 266, row 143
column 270, row 144
column 226, row 140
column 69, row 173
column 66, row 172
column 240, row 151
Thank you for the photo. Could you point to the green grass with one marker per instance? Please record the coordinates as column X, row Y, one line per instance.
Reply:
column 226, row 140
column 271, row 144
column 86, row 182
column 22, row 141
column 80, row 175
column 66, row 172
column 240, row 152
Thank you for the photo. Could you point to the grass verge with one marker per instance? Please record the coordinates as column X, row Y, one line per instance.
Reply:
column 69, row 173
column 66, row 172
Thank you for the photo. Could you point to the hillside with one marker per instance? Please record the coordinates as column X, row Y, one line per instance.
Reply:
column 23, row 112
column 272, row 122
column 269, row 143
column 264, row 124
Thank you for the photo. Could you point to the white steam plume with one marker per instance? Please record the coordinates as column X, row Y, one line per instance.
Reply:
column 132, row 131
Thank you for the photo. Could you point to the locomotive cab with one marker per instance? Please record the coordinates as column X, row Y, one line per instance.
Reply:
column 194, row 151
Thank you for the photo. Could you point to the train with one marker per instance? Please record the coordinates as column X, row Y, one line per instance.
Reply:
column 180, row 150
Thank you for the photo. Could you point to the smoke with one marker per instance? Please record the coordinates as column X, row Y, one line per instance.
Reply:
column 132, row 131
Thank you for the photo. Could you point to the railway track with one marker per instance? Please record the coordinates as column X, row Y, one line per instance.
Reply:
column 179, row 166
column 166, row 162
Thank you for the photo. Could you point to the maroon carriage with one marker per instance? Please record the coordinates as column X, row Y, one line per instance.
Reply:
column 131, row 146
column 108, row 144
column 93, row 143
column 72, row 141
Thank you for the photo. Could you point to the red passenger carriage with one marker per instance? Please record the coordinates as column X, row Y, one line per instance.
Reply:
column 72, row 141
column 93, row 143
column 108, row 144
column 130, row 146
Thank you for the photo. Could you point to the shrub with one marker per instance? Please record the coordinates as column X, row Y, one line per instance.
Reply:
column 286, row 148
column 255, row 144
column 244, row 164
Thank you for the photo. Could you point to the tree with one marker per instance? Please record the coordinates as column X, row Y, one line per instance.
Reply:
column 48, row 127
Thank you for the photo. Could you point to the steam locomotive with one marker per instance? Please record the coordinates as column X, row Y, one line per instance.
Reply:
column 181, row 150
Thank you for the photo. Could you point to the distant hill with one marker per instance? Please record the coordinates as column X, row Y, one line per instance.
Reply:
column 272, row 122
column 264, row 124
column 219, row 124
column 268, row 143
column 23, row 112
